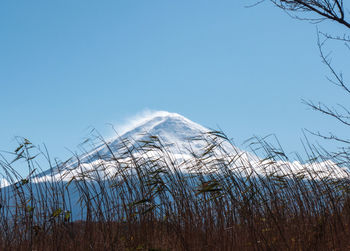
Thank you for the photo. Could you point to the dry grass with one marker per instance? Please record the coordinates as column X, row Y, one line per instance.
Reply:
column 153, row 204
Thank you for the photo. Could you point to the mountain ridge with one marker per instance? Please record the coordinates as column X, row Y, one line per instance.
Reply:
column 186, row 141
column 173, row 129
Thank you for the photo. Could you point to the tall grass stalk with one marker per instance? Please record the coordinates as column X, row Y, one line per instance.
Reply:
column 146, row 198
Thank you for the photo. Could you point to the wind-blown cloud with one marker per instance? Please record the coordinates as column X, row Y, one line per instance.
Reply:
column 140, row 118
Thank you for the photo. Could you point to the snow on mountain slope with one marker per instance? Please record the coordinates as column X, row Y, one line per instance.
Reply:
column 181, row 137
column 177, row 133
column 172, row 129
column 4, row 183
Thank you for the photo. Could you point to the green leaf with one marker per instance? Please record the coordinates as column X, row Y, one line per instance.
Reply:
column 56, row 213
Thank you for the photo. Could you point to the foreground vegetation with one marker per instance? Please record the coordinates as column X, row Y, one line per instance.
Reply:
column 214, row 200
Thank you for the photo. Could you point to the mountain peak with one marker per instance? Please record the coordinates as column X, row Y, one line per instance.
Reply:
column 174, row 130
column 150, row 119
column 171, row 128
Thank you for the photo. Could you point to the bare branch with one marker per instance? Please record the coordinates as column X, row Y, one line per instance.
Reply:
column 254, row 4
column 344, row 38
column 339, row 81
column 329, row 137
column 328, row 111
column 327, row 9
column 333, row 10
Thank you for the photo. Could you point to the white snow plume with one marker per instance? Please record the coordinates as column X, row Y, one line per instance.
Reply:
column 139, row 119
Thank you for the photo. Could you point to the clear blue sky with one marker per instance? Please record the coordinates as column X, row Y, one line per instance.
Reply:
column 68, row 65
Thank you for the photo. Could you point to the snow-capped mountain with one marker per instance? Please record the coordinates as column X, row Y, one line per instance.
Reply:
column 183, row 139
column 176, row 132
column 180, row 136
column 188, row 150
